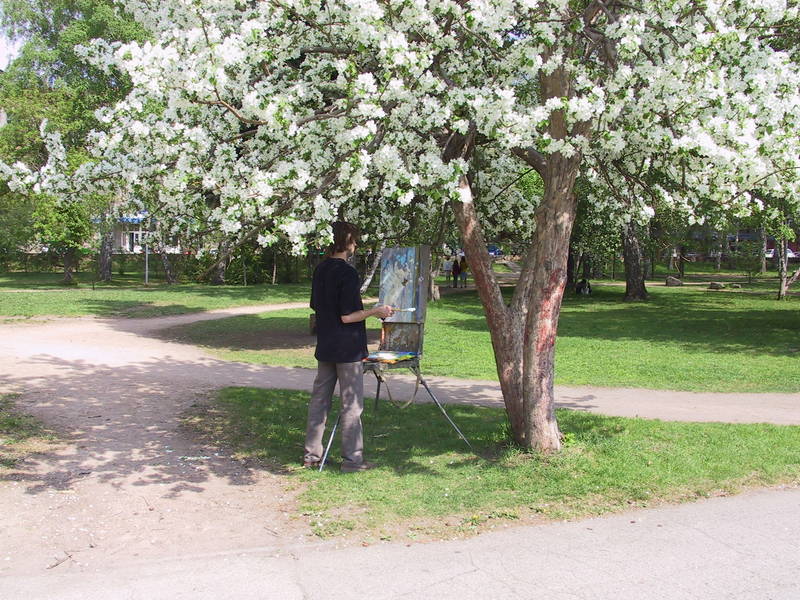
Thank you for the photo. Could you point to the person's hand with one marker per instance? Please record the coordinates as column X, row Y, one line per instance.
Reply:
column 384, row 312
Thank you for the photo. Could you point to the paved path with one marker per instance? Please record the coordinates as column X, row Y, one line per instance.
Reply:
column 744, row 548
column 135, row 497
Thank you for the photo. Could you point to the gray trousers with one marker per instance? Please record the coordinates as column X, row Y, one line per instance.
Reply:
column 351, row 390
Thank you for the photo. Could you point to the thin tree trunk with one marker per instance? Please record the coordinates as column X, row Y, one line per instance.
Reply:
column 169, row 272
column 571, row 268
column 69, row 266
column 373, row 267
column 634, row 273
column 104, row 270
column 274, row 268
column 218, row 272
column 762, row 232
column 781, row 247
column 505, row 326
column 791, row 281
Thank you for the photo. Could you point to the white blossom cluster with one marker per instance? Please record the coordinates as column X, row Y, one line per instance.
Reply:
column 281, row 116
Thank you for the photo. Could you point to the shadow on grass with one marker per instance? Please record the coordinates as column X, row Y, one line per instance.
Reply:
column 698, row 320
column 134, row 308
column 253, row 332
column 267, row 424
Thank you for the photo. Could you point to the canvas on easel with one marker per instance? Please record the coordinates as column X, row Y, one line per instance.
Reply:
column 404, row 287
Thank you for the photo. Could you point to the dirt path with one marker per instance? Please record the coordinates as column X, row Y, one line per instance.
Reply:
column 129, row 483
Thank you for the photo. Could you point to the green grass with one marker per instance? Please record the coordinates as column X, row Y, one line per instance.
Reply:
column 20, row 434
column 682, row 339
column 127, row 297
column 427, row 474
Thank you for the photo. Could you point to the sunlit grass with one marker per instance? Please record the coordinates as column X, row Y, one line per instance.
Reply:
column 681, row 339
column 127, row 297
column 426, row 472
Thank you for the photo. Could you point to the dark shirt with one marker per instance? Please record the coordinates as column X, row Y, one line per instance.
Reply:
column 335, row 292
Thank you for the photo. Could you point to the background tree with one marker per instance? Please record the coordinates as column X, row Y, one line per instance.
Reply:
column 50, row 81
column 63, row 228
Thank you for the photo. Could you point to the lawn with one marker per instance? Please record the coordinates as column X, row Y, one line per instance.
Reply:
column 681, row 339
column 428, row 483
column 127, row 297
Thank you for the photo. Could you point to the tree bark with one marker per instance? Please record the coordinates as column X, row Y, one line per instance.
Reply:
column 169, row 272
column 104, row 268
column 373, row 267
column 554, row 219
column 70, row 256
column 587, row 266
column 571, row 268
column 505, row 327
column 218, row 273
column 781, row 247
column 634, row 272
column 763, row 234
column 524, row 333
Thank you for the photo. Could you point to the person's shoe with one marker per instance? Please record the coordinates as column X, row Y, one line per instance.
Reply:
column 311, row 464
column 364, row 466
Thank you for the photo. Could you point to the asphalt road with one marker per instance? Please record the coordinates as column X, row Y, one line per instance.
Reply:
column 744, row 547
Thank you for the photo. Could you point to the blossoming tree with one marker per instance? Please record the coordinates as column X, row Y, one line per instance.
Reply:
column 273, row 118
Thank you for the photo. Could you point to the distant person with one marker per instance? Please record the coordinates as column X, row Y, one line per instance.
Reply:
column 456, row 271
column 447, row 268
column 583, row 288
column 463, row 271
column 341, row 346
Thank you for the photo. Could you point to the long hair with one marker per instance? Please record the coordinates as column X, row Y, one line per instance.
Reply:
column 343, row 235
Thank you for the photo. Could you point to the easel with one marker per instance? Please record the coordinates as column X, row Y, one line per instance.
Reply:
column 402, row 334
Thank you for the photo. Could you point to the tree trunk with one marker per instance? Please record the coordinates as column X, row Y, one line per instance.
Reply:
column 634, row 272
column 505, row 327
column 104, row 268
column 373, row 267
column 763, row 234
column 524, row 334
column 218, row 274
column 791, row 281
column 571, row 268
column 169, row 272
column 780, row 247
column 586, row 266
column 70, row 256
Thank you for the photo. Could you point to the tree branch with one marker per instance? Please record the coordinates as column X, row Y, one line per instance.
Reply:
column 532, row 158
